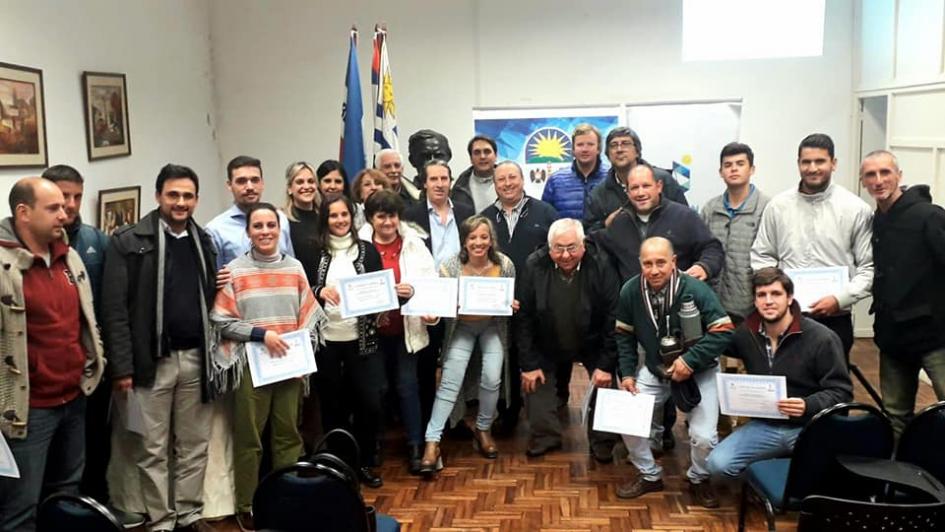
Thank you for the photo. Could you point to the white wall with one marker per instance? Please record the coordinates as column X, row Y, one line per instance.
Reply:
column 279, row 70
column 163, row 48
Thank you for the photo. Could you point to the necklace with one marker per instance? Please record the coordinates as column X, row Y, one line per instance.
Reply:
column 478, row 271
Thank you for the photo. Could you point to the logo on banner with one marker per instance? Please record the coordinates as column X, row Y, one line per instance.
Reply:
column 547, row 149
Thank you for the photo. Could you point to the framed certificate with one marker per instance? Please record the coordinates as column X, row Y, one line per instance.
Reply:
column 811, row 284
column 751, row 395
column 299, row 359
column 486, row 296
column 368, row 293
column 432, row 296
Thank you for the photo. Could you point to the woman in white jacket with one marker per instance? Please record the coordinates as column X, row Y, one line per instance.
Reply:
column 402, row 250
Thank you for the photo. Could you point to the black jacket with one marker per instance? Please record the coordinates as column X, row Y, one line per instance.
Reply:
column 609, row 196
column 368, row 260
column 692, row 240
column 809, row 356
column 418, row 214
column 130, row 298
column 908, row 284
column 460, row 191
column 534, row 331
column 531, row 230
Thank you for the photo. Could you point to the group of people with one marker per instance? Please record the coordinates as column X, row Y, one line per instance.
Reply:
column 605, row 265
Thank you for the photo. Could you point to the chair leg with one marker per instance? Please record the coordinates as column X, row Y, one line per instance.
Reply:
column 743, row 507
column 769, row 515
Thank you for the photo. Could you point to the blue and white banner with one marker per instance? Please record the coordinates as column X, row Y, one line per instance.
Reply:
column 540, row 139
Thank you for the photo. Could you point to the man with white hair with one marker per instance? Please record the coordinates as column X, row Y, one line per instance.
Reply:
column 568, row 296
column 391, row 163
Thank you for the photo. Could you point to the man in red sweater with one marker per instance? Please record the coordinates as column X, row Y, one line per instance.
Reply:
column 52, row 351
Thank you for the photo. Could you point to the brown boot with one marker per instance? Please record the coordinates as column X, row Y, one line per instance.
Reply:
column 704, row 494
column 637, row 487
column 483, row 442
column 431, row 461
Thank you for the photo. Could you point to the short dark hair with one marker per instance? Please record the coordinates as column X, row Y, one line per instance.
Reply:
column 624, row 132
column 383, row 201
column 175, row 171
column 333, row 165
column 240, row 161
column 261, row 206
column 737, row 148
column 771, row 275
column 481, row 138
column 22, row 192
column 422, row 175
column 63, row 172
column 817, row 140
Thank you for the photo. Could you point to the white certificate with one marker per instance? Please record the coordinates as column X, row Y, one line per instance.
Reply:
column 8, row 467
column 586, row 403
column 368, row 293
column 622, row 412
column 811, row 284
column 299, row 359
column 432, row 296
column 751, row 395
column 129, row 410
column 486, row 296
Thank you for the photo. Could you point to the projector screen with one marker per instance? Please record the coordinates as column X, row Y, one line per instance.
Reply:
column 716, row 30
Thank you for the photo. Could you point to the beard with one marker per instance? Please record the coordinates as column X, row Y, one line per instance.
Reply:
column 775, row 319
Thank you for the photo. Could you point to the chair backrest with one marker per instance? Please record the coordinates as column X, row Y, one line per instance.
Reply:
column 342, row 444
column 830, row 514
column 922, row 439
column 75, row 513
column 833, row 432
column 293, row 498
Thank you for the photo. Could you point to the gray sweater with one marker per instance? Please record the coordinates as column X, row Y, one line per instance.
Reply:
column 733, row 284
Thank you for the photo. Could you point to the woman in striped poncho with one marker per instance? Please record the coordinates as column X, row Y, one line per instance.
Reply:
column 267, row 295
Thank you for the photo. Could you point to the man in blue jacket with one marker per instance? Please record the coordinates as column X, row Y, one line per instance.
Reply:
column 567, row 189
column 90, row 243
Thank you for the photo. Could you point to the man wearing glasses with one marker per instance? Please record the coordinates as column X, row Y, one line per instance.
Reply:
column 624, row 152
column 568, row 296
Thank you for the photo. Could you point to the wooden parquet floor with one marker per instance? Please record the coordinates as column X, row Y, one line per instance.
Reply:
column 562, row 491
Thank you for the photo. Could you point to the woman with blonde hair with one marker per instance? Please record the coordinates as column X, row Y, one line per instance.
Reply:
column 477, row 256
column 302, row 200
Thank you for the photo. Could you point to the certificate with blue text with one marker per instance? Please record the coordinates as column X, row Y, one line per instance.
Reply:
column 298, row 361
column 432, row 296
column 811, row 284
column 751, row 395
column 486, row 296
column 368, row 293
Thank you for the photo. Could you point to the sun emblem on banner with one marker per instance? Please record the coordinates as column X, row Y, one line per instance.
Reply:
column 388, row 96
column 548, row 145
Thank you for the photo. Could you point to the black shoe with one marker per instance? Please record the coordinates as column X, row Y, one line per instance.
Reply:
column 369, row 478
column 541, row 449
column 505, row 425
column 603, row 454
column 460, row 432
column 704, row 494
column 414, row 455
column 637, row 487
column 563, row 401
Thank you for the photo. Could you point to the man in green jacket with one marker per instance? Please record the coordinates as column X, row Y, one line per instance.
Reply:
column 649, row 310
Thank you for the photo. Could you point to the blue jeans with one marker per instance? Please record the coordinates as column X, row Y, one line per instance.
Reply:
column 50, row 459
column 455, row 359
column 402, row 371
column 899, row 382
column 703, row 434
column 757, row 440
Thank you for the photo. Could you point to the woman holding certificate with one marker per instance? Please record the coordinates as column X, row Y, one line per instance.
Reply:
column 402, row 250
column 350, row 378
column 477, row 257
column 266, row 297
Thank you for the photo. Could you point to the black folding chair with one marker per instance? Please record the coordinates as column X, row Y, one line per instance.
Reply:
column 831, row 514
column 922, row 440
column 75, row 513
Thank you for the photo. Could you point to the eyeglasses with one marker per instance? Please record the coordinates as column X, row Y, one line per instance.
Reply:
column 572, row 249
column 620, row 144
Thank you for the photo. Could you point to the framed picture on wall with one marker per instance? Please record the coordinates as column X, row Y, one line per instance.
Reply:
column 106, row 115
column 22, row 117
column 118, row 207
